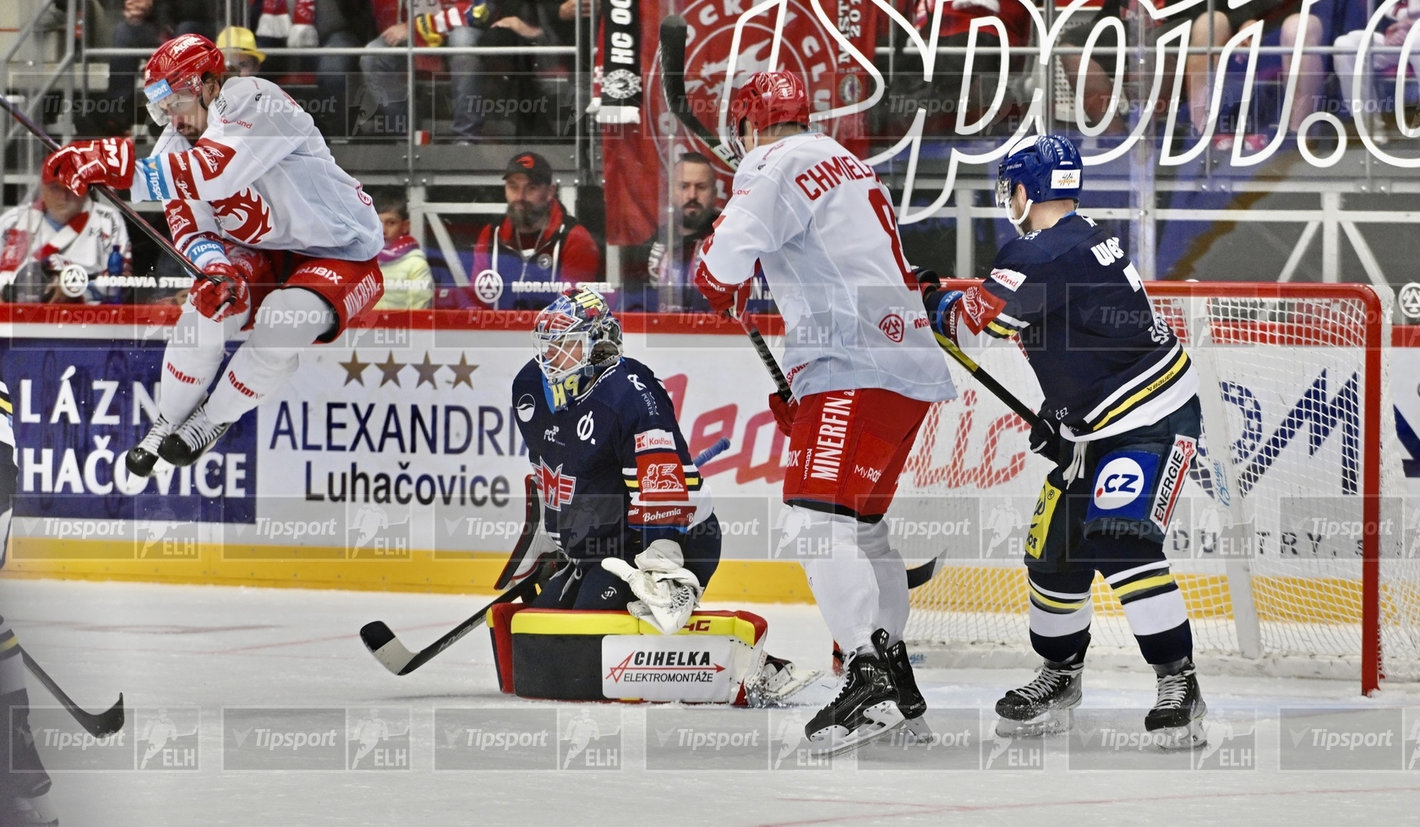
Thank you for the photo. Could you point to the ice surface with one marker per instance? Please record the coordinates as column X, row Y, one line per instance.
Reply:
column 223, row 665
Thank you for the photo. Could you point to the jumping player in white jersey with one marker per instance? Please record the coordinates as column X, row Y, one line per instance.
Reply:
column 863, row 368
column 1121, row 418
column 255, row 200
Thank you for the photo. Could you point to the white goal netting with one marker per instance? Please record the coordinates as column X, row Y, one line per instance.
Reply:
column 1292, row 545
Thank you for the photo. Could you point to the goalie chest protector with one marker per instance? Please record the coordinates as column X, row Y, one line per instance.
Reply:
column 558, row 654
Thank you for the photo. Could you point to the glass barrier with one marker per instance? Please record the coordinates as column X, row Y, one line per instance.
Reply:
column 1273, row 141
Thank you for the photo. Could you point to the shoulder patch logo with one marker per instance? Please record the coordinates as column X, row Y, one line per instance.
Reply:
column 1009, row 279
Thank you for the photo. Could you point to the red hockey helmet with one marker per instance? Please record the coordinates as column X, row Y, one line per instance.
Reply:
column 177, row 68
column 766, row 99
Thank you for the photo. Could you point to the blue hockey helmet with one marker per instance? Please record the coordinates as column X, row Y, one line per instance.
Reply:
column 1048, row 166
column 576, row 333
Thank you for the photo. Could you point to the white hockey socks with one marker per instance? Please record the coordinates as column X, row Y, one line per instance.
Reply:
column 287, row 322
column 891, row 576
column 667, row 592
column 842, row 578
column 191, row 359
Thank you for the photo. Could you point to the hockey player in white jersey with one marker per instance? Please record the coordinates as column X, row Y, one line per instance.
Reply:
column 863, row 368
column 286, row 238
column 1121, row 418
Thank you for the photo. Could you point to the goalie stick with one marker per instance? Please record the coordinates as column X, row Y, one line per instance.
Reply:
column 97, row 724
column 397, row 658
column 108, row 194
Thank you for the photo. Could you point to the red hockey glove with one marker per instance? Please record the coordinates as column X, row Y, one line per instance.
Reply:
column 107, row 161
column 723, row 298
column 785, row 411
column 224, row 293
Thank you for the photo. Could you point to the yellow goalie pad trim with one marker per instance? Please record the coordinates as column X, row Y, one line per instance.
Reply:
column 554, row 622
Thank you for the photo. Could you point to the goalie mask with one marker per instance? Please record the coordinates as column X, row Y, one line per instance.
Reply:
column 576, row 334
column 1048, row 166
column 173, row 75
column 766, row 99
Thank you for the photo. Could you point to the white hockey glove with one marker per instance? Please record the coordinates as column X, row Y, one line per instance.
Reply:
column 667, row 591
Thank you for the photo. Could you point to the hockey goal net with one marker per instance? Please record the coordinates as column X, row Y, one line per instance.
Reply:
column 1290, row 543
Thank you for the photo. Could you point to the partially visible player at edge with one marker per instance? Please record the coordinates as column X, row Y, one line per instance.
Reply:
column 25, row 799
column 864, row 370
column 1121, row 418
column 255, row 200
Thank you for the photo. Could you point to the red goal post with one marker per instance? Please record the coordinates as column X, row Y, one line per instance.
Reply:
column 1291, row 545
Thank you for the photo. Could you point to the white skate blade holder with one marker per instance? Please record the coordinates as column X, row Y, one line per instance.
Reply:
column 1050, row 722
column 882, row 718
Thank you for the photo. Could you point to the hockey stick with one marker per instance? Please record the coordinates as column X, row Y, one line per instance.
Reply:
column 108, row 194
column 919, row 575
column 97, row 724
column 674, row 33
column 781, row 384
column 397, row 658
column 532, row 520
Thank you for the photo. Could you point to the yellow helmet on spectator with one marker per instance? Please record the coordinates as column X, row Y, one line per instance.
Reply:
column 239, row 39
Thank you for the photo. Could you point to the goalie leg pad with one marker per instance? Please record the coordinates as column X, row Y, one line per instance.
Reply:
column 598, row 656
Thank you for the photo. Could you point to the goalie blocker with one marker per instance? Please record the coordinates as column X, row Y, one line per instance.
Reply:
column 568, row 655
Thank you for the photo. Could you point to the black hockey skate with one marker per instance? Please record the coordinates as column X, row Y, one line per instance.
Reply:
column 1178, row 713
column 866, row 708
column 141, row 458
column 909, row 698
column 192, row 439
column 1044, row 705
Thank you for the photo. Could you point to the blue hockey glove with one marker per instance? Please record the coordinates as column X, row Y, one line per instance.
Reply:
column 939, row 311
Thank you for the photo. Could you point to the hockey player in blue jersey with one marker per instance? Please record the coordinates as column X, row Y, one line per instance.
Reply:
column 613, row 471
column 1121, row 418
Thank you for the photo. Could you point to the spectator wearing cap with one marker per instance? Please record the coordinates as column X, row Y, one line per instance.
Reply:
column 238, row 45
column 538, row 250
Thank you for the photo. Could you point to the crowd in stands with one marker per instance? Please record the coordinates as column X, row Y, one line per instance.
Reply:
column 519, row 99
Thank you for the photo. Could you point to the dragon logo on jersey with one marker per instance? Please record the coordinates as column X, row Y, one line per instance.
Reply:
column 892, row 326
column 245, row 216
column 555, row 487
